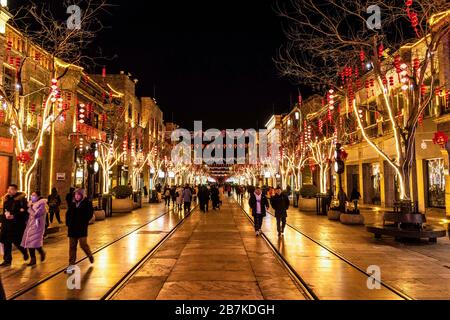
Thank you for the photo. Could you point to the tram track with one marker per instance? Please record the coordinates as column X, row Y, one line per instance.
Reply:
column 40, row 282
column 300, row 280
column 133, row 271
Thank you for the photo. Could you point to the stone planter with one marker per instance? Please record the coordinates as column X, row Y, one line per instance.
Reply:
column 99, row 215
column 334, row 215
column 122, row 205
column 352, row 219
column 305, row 204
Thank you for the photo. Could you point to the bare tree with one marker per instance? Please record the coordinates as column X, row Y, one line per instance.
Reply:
column 331, row 47
column 43, row 37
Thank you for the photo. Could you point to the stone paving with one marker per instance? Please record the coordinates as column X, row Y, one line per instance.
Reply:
column 421, row 270
column 213, row 256
column 20, row 276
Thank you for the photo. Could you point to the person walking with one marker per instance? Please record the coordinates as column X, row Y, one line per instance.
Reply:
column 215, row 197
column 201, row 198
column 33, row 237
column 78, row 216
column 280, row 203
column 179, row 198
column 167, row 196
column 259, row 205
column 54, row 203
column 187, row 198
column 13, row 222
column 173, row 195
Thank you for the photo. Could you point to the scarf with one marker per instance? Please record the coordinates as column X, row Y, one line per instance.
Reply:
column 258, row 203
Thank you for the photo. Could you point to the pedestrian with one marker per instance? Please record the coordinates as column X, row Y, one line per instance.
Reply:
column 78, row 216
column 259, row 205
column 54, row 204
column 13, row 223
column 215, row 197
column 241, row 193
column 179, row 195
column 173, row 195
column 33, row 237
column 69, row 197
column 280, row 203
column 167, row 196
column 355, row 196
column 187, row 198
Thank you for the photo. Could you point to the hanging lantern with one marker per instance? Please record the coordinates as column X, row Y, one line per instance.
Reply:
column 416, row 64
column 423, row 90
column 380, row 50
column 104, row 72
column 440, row 138
column 24, row 157
column 397, row 62
column 420, row 120
column 362, row 56
column 391, row 81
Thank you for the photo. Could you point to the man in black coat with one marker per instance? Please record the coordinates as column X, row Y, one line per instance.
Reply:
column 280, row 203
column 14, row 220
column 78, row 215
column 215, row 197
column 259, row 205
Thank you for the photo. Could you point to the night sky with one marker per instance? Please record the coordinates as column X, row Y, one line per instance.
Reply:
column 205, row 60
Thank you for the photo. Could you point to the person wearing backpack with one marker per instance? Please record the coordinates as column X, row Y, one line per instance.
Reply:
column 280, row 203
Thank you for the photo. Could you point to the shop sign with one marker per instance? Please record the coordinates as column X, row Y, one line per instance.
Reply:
column 61, row 176
column 6, row 145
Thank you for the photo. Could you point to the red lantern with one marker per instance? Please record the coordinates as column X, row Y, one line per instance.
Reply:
column 397, row 64
column 362, row 56
column 380, row 50
column 416, row 64
column 24, row 157
column 440, row 138
column 391, row 81
column 420, row 120
column 104, row 72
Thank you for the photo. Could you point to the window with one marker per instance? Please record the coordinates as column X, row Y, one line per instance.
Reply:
column 436, row 183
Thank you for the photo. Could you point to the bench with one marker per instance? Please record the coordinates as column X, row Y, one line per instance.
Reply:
column 406, row 226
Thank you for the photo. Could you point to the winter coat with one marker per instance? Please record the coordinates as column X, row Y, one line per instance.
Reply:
column 33, row 237
column 78, row 217
column 264, row 204
column 215, row 194
column 179, row 194
column 280, row 203
column 187, row 195
column 12, row 230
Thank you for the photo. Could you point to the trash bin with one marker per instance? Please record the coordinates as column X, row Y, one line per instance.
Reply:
column 137, row 198
column 322, row 204
column 106, row 202
column 153, row 198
